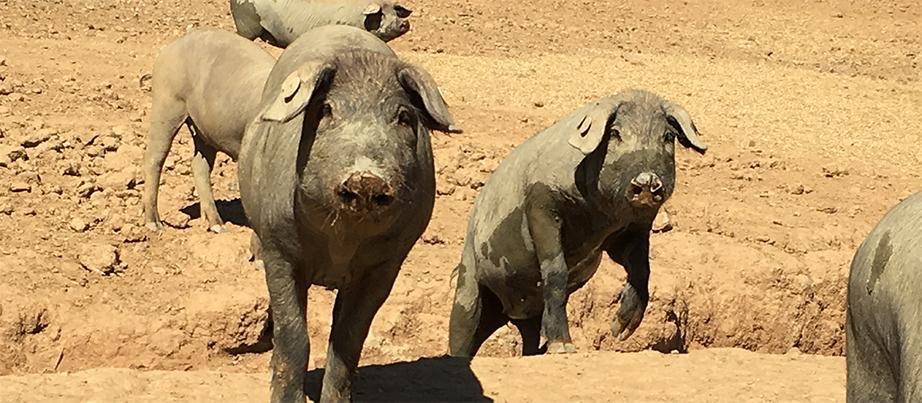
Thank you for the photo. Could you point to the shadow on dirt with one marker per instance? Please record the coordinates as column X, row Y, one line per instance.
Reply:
column 436, row 379
column 230, row 210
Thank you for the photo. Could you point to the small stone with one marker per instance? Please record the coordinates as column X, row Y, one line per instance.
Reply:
column 100, row 258
column 433, row 239
column 71, row 169
column 109, row 143
column 55, row 189
column 444, row 189
column 6, row 209
column 38, row 137
column 132, row 233
column 93, row 151
column 121, row 180
column 20, row 186
column 662, row 222
column 10, row 154
column 77, row 224
column 73, row 271
column 121, row 131
column 29, row 211
column 87, row 189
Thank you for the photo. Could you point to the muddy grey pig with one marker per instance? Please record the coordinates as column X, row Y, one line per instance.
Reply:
column 211, row 81
column 589, row 184
column 336, row 177
column 280, row 22
column 884, row 313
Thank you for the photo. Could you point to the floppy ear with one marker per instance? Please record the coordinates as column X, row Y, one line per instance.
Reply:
column 296, row 91
column 591, row 127
column 402, row 11
column 425, row 95
column 373, row 8
column 688, row 133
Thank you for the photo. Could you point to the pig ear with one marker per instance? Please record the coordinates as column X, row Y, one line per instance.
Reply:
column 591, row 127
column 688, row 133
column 296, row 91
column 402, row 11
column 425, row 95
column 373, row 8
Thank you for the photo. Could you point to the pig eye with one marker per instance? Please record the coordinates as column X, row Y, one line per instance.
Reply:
column 404, row 117
column 669, row 137
column 327, row 110
column 616, row 134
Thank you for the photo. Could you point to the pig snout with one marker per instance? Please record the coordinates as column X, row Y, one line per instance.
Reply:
column 364, row 192
column 404, row 26
column 646, row 190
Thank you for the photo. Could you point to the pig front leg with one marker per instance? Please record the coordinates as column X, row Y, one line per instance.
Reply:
column 288, row 303
column 632, row 251
column 544, row 225
column 354, row 310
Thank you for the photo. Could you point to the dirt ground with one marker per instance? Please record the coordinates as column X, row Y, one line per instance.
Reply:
column 811, row 110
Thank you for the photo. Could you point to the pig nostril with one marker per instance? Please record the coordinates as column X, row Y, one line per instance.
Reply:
column 382, row 199
column 346, row 196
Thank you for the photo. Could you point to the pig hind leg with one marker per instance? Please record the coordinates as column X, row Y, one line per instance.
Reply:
column 530, row 329
column 476, row 314
column 167, row 116
column 202, row 164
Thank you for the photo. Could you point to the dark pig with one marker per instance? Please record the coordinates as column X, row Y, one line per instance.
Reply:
column 336, row 178
column 884, row 313
column 591, row 183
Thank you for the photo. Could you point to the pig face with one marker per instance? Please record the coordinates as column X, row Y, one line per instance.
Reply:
column 364, row 134
column 387, row 20
column 637, row 132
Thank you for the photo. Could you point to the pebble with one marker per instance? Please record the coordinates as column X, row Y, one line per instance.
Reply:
column 87, row 189
column 100, row 258
column 77, row 224
column 20, row 186
column 38, row 137
column 662, row 222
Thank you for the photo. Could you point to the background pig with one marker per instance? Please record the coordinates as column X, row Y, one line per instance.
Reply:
column 211, row 80
column 591, row 183
column 280, row 22
column 336, row 177
column 884, row 314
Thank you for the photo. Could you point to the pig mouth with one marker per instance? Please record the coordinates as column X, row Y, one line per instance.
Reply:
column 643, row 198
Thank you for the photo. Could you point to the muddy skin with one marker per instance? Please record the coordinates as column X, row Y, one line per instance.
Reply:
column 337, row 181
column 592, row 183
column 884, row 312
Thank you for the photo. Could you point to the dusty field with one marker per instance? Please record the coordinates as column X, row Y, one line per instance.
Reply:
column 664, row 378
column 811, row 111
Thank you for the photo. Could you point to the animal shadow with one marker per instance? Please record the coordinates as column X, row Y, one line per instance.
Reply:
column 435, row 379
column 230, row 210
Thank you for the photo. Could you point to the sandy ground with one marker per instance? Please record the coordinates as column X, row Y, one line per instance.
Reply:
column 701, row 376
column 810, row 109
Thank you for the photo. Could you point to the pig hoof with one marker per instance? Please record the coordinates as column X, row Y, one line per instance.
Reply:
column 154, row 226
column 217, row 228
column 561, row 348
column 259, row 264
